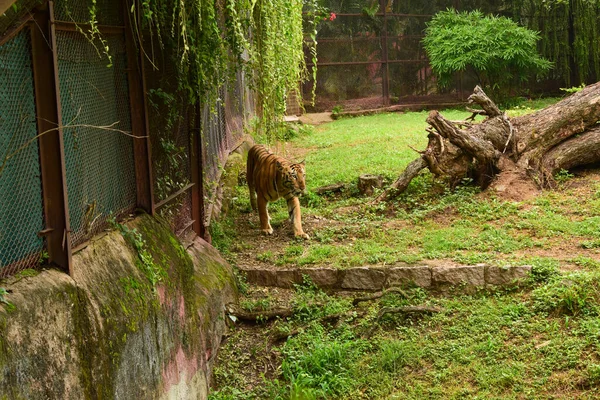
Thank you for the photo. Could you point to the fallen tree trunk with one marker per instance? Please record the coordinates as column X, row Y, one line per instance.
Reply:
column 500, row 150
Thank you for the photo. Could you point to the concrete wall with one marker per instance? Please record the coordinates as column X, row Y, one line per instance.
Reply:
column 107, row 332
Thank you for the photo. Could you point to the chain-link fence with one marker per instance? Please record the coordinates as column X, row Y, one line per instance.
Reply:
column 21, row 206
column 96, row 162
column 222, row 128
column 171, row 119
column 370, row 54
column 97, row 128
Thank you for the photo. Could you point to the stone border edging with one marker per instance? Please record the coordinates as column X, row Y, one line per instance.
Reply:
column 377, row 278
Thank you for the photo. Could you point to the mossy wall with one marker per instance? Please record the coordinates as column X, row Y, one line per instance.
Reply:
column 107, row 332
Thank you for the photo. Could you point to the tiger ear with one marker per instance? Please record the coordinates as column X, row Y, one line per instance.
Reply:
column 278, row 164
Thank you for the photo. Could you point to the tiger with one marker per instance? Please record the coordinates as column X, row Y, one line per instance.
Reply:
column 271, row 177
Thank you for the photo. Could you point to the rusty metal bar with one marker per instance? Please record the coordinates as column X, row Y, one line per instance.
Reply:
column 174, row 195
column 75, row 27
column 382, row 14
column 385, row 73
column 139, row 120
column 329, row 64
column 49, row 119
column 17, row 27
column 363, row 38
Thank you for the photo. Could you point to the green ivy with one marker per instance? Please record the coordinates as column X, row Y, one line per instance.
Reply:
column 210, row 41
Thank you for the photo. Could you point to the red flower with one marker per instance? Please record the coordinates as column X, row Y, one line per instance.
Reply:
column 332, row 16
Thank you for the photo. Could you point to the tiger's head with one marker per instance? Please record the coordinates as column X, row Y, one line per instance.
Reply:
column 293, row 177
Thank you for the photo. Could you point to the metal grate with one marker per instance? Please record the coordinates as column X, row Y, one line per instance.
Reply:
column 107, row 12
column 215, row 138
column 170, row 118
column 14, row 14
column 99, row 162
column 21, row 214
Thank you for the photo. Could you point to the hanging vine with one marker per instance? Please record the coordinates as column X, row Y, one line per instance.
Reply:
column 570, row 33
column 212, row 40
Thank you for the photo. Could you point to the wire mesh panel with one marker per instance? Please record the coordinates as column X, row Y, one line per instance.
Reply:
column 106, row 12
column 21, row 207
column 171, row 117
column 371, row 54
column 98, row 146
column 216, row 142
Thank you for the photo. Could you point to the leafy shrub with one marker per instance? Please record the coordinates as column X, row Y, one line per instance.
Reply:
column 497, row 51
column 575, row 293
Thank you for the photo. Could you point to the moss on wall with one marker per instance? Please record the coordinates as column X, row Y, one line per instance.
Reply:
column 108, row 331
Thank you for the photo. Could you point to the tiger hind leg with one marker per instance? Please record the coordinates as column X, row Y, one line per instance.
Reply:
column 296, row 217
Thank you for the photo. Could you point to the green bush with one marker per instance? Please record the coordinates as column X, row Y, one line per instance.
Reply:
column 498, row 52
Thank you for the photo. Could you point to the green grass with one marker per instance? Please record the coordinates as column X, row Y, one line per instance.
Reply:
column 379, row 144
column 533, row 343
column 540, row 341
column 431, row 222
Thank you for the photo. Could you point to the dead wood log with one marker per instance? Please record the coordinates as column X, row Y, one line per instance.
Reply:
column 367, row 183
column 400, row 185
column 336, row 187
column 254, row 317
column 562, row 136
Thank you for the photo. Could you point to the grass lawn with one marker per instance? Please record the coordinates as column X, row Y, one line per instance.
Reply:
column 427, row 222
column 540, row 341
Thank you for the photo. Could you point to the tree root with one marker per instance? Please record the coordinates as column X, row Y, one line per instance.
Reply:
column 407, row 310
column 378, row 295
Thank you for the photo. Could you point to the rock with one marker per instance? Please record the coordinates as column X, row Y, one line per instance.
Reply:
column 363, row 278
column 506, row 275
column 470, row 275
column 323, row 277
column 261, row 277
column 107, row 331
column 400, row 276
column 286, row 278
column 368, row 182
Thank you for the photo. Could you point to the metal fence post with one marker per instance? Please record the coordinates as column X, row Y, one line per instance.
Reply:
column 196, row 161
column 139, row 116
column 385, row 70
column 49, row 123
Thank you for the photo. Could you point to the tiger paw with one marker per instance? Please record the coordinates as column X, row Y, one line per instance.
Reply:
column 303, row 236
column 267, row 231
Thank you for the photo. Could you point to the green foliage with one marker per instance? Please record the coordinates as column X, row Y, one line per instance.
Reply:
column 320, row 365
column 496, row 50
column 574, row 293
column 3, row 293
column 562, row 176
column 263, row 37
column 153, row 271
column 542, row 269
column 573, row 89
column 569, row 34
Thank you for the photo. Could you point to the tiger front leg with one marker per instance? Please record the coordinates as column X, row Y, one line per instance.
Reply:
column 263, row 215
column 252, row 196
column 296, row 217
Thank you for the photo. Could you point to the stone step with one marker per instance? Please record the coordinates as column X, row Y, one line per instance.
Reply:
column 374, row 278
